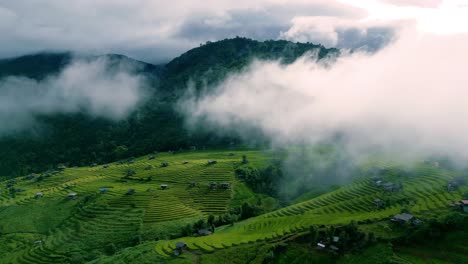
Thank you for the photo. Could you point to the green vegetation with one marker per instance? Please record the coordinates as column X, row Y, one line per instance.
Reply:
column 424, row 194
column 170, row 203
column 104, row 218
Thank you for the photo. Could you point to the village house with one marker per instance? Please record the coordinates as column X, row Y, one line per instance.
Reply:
column 164, row 164
column 334, row 248
column 179, row 248
column 378, row 203
column 151, row 157
column 402, row 218
column 455, row 184
column 204, row 232
column 451, row 187
column 72, row 196
column 375, row 179
column 406, row 218
column 388, row 186
column 321, row 246
column 103, row 190
column 212, row 162
column 164, row 186
column 213, row 185
column 181, row 245
column 463, row 205
column 193, row 184
column 105, row 166
column 130, row 191
column 38, row 195
column 225, row 185
column 10, row 183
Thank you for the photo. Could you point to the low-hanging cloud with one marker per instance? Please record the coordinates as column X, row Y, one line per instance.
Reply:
column 341, row 33
column 93, row 87
column 409, row 98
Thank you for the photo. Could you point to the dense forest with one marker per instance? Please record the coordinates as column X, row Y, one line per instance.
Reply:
column 80, row 139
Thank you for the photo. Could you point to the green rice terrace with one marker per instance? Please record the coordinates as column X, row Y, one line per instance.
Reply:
column 424, row 194
column 113, row 202
column 132, row 211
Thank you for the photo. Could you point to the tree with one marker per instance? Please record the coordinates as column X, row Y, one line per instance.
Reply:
column 200, row 224
column 130, row 172
column 244, row 159
column 331, row 232
column 313, row 234
column 110, row 249
column 465, row 195
column 248, row 210
column 187, row 230
column 12, row 192
column 211, row 219
column 120, row 151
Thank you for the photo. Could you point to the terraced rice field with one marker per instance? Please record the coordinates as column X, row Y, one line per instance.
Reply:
column 422, row 194
column 65, row 227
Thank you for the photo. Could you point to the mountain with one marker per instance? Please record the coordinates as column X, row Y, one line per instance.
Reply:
column 35, row 66
column 78, row 139
column 41, row 65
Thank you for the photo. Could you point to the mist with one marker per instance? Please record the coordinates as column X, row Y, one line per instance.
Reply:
column 407, row 101
column 94, row 87
column 410, row 95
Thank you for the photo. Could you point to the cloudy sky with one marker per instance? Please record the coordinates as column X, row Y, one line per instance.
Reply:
column 156, row 30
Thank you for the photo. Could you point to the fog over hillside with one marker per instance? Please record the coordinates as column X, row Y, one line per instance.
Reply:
column 409, row 98
column 87, row 86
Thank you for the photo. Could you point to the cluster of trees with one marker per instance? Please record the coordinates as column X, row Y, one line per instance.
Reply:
column 434, row 229
column 245, row 211
column 349, row 237
column 265, row 180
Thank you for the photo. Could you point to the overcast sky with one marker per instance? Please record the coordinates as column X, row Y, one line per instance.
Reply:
column 157, row 30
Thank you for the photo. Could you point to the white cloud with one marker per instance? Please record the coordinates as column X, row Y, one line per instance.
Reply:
column 410, row 98
column 341, row 33
column 86, row 87
column 419, row 3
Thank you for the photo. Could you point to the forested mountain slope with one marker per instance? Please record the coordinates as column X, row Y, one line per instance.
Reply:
column 79, row 139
